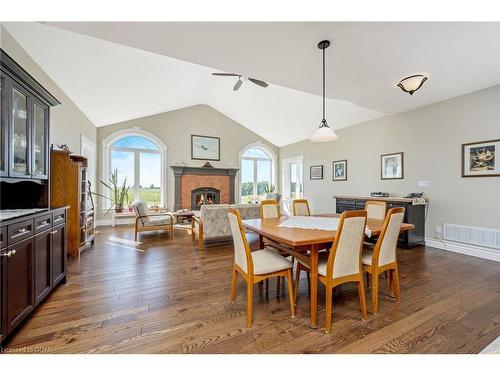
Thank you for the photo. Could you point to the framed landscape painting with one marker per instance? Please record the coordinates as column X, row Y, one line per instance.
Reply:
column 339, row 172
column 205, row 147
column 316, row 172
column 481, row 159
column 392, row 166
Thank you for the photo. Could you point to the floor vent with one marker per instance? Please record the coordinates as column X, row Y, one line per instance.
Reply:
column 472, row 235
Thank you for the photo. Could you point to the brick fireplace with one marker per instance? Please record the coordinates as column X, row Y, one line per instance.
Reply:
column 189, row 180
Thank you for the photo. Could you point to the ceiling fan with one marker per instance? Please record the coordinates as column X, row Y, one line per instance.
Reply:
column 241, row 79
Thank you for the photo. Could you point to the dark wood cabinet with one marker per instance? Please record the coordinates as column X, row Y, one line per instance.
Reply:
column 414, row 214
column 43, row 265
column 4, row 139
column 3, row 329
column 19, row 283
column 59, row 255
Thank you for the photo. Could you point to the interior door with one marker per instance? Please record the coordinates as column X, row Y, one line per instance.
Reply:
column 19, row 280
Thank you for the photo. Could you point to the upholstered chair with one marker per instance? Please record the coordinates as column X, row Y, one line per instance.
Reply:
column 255, row 266
column 269, row 209
column 146, row 221
column 382, row 257
column 342, row 264
column 300, row 207
column 376, row 209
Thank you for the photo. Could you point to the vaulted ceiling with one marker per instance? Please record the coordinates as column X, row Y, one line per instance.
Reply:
column 119, row 71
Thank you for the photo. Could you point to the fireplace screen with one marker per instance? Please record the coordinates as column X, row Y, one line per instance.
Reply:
column 204, row 195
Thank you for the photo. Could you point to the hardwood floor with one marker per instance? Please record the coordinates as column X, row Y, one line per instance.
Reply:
column 164, row 296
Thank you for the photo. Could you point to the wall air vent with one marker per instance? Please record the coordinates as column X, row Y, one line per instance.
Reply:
column 472, row 235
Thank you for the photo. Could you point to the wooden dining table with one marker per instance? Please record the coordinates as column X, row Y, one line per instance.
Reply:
column 298, row 241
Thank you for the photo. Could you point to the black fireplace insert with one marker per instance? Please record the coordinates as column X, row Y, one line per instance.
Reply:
column 204, row 195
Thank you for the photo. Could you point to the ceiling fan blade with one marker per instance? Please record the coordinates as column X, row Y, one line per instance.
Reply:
column 238, row 85
column 226, row 74
column 258, row 82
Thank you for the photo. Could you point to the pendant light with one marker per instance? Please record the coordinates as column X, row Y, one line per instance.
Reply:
column 324, row 133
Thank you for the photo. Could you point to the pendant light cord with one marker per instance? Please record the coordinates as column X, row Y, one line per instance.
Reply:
column 323, row 85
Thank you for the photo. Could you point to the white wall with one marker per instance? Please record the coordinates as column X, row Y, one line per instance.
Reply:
column 174, row 129
column 67, row 122
column 431, row 139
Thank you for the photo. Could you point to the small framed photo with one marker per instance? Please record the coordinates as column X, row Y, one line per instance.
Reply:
column 339, row 172
column 392, row 166
column 481, row 159
column 205, row 147
column 316, row 172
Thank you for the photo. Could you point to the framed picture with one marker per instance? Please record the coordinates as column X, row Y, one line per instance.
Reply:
column 339, row 172
column 316, row 172
column 205, row 148
column 392, row 166
column 481, row 159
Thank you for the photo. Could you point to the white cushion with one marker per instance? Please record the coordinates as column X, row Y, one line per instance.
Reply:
column 153, row 222
column 367, row 256
column 267, row 261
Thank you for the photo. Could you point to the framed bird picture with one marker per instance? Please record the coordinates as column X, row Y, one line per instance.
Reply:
column 480, row 159
column 205, row 147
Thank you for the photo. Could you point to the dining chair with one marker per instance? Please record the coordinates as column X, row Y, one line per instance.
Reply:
column 376, row 209
column 382, row 257
column 255, row 266
column 342, row 264
column 300, row 207
column 269, row 209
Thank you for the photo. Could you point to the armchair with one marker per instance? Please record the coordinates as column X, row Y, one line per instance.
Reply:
column 146, row 221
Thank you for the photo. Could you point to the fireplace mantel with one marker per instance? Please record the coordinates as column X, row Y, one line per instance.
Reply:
column 179, row 171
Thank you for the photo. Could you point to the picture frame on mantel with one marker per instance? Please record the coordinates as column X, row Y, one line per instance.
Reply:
column 316, row 172
column 481, row 159
column 204, row 147
column 339, row 170
column 392, row 166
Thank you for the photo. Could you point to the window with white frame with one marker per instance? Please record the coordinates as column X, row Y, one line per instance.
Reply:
column 140, row 160
column 257, row 166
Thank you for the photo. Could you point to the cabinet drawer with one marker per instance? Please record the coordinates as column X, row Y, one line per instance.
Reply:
column 59, row 217
column 43, row 223
column 20, row 231
column 3, row 237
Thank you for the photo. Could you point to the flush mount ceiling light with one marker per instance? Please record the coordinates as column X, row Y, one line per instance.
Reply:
column 324, row 133
column 412, row 83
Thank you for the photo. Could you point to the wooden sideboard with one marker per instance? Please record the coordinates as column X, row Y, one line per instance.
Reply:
column 414, row 214
column 32, row 264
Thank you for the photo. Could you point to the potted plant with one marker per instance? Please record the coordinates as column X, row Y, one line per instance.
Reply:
column 118, row 195
column 270, row 190
column 130, row 206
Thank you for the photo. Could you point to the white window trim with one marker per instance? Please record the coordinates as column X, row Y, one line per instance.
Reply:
column 272, row 157
column 284, row 163
column 106, row 160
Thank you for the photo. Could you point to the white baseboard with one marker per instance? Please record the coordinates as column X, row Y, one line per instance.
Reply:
column 120, row 221
column 456, row 247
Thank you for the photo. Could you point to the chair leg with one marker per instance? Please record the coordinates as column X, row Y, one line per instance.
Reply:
column 249, row 301
column 328, row 312
column 278, row 285
column 135, row 234
column 290, row 292
column 375, row 292
column 397, row 290
column 267, row 287
column 234, row 284
column 362, row 299
column 391, row 283
column 297, row 281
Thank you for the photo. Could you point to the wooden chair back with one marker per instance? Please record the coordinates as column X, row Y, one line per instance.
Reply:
column 242, row 256
column 269, row 209
column 345, row 255
column 300, row 207
column 376, row 209
column 385, row 248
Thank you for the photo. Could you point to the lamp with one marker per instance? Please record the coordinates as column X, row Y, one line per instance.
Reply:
column 412, row 83
column 324, row 133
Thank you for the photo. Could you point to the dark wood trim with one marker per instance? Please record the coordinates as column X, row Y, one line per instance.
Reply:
column 12, row 68
column 310, row 174
column 402, row 166
column 463, row 158
column 333, row 170
column 204, row 136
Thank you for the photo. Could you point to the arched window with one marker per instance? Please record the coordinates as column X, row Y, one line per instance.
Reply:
column 140, row 159
column 257, row 172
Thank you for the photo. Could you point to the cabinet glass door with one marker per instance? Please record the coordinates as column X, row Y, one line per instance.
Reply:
column 20, row 135
column 3, row 128
column 40, row 122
